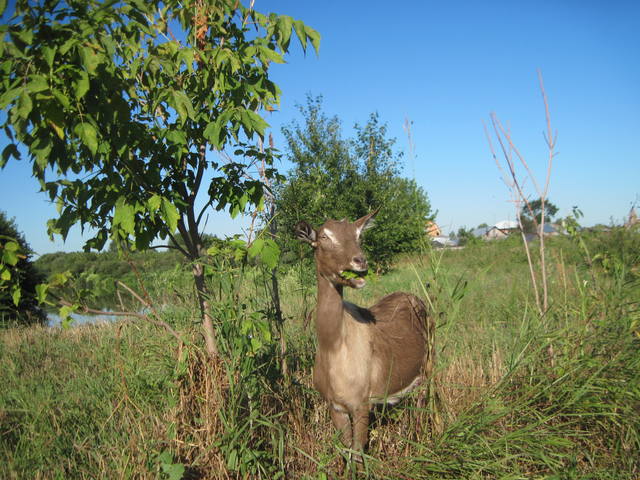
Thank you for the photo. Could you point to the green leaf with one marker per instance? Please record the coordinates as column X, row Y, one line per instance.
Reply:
column 177, row 137
column 314, row 36
column 154, row 202
column 49, row 54
column 90, row 59
column 15, row 295
column 57, row 128
column 10, row 150
column 25, row 35
column 88, row 135
column 170, row 215
column 10, row 255
column 82, row 85
column 271, row 55
column 65, row 311
column 252, row 122
column 212, row 134
column 24, row 104
column 12, row 246
column 124, row 216
column 61, row 97
column 301, row 33
column 183, row 105
column 9, row 96
column 37, row 83
column 65, row 316
column 285, row 24
column 267, row 250
column 41, row 292
column 187, row 55
column 59, row 279
column 5, row 274
column 256, row 247
column 175, row 471
column 66, row 46
column 270, row 254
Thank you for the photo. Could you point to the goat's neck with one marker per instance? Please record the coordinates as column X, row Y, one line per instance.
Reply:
column 329, row 313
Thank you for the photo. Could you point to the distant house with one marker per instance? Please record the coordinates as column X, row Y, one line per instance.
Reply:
column 480, row 232
column 501, row 230
column 432, row 229
column 442, row 241
column 550, row 230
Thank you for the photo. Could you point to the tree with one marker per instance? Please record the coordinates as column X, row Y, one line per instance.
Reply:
column 127, row 108
column 465, row 236
column 323, row 164
column 550, row 210
column 19, row 279
column 336, row 178
column 532, row 215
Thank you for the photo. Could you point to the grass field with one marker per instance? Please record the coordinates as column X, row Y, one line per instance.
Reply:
column 514, row 395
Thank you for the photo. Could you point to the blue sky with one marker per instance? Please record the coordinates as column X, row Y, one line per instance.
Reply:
column 446, row 66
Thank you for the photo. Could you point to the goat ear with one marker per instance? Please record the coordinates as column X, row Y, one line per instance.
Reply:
column 366, row 222
column 305, row 233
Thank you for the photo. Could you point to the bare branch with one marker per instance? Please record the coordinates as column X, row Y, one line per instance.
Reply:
column 510, row 178
column 177, row 245
column 204, row 209
column 172, row 247
column 92, row 311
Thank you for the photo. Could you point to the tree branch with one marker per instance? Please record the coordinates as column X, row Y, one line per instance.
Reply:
column 177, row 245
column 204, row 209
column 172, row 247
column 161, row 323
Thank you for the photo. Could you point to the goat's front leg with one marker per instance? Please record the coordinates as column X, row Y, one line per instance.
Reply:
column 360, row 426
column 341, row 421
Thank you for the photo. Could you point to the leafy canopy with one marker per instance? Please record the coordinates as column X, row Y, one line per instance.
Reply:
column 339, row 178
column 531, row 215
column 120, row 103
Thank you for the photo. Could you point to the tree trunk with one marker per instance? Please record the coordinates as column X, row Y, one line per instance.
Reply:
column 203, row 302
column 275, row 299
column 275, row 296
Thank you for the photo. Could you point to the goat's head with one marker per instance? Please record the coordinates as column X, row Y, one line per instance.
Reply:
column 337, row 249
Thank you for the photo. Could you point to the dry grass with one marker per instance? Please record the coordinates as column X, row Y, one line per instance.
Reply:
column 125, row 401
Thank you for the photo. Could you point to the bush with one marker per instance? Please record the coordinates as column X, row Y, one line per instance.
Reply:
column 337, row 178
column 18, row 278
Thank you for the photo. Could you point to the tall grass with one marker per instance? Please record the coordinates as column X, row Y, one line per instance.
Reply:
column 125, row 401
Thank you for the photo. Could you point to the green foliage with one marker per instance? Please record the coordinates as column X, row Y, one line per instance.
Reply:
column 532, row 218
column 21, row 289
column 92, row 276
column 466, row 237
column 121, row 102
column 339, row 178
column 122, row 398
column 129, row 95
column 173, row 471
column 81, row 394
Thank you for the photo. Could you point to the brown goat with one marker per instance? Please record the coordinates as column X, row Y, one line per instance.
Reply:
column 364, row 355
